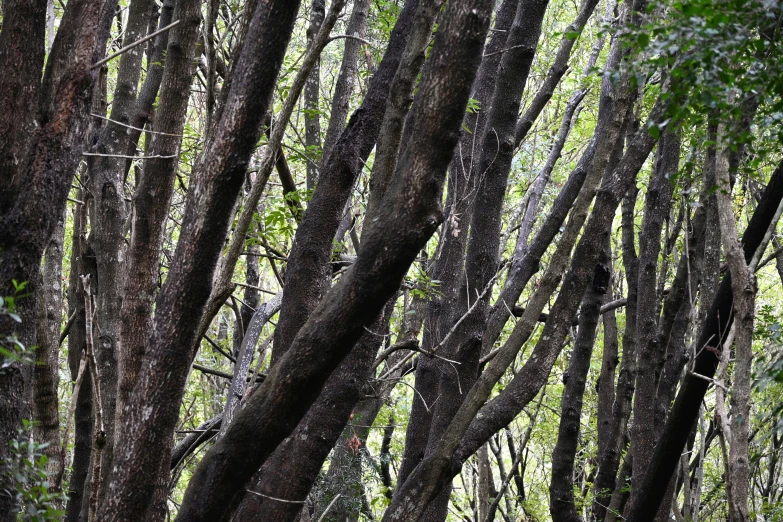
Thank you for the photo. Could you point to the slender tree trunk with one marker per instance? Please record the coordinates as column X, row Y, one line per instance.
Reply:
column 244, row 357
column 559, row 67
column 307, row 455
column 657, row 207
column 109, row 215
column 609, row 461
column 349, row 68
column 46, row 371
column 743, row 288
column 606, row 380
column 312, row 95
column 561, row 489
column 148, row 93
column 152, row 200
column 83, row 425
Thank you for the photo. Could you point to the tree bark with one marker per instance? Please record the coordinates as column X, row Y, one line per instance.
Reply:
column 557, row 70
column 306, row 453
column 239, row 383
column 143, row 108
column 22, row 57
column 606, row 379
column 432, row 472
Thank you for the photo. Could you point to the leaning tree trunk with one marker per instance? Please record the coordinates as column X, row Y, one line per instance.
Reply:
column 481, row 258
column 312, row 246
column 432, row 473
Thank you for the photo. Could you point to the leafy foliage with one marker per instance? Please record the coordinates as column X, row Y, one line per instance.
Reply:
column 26, row 471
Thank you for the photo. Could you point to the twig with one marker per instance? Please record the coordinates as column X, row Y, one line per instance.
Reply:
column 277, row 499
column 210, row 371
column 407, row 345
column 134, row 128
column 68, row 325
column 329, row 507
column 220, row 350
column 217, row 373
column 349, row 36
column 404, row 345
column 126, row 156
column 708, row 379
column 487, row 288
column 135, row 44
column 245, row 285
column 769, row 258
column 504, row 50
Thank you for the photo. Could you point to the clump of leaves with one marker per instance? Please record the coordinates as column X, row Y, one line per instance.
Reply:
column 423, row 286
column 26, row 479
column 719, row 54
column 12, row 351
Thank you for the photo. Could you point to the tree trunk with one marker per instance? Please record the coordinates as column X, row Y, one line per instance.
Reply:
column 44, row 171
column 446, row 267
column 312, row 94
column 349, row 67
column 561, row 489
column 108, row 217
column 46, row 371
column 657, row 206
column 743, row 289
